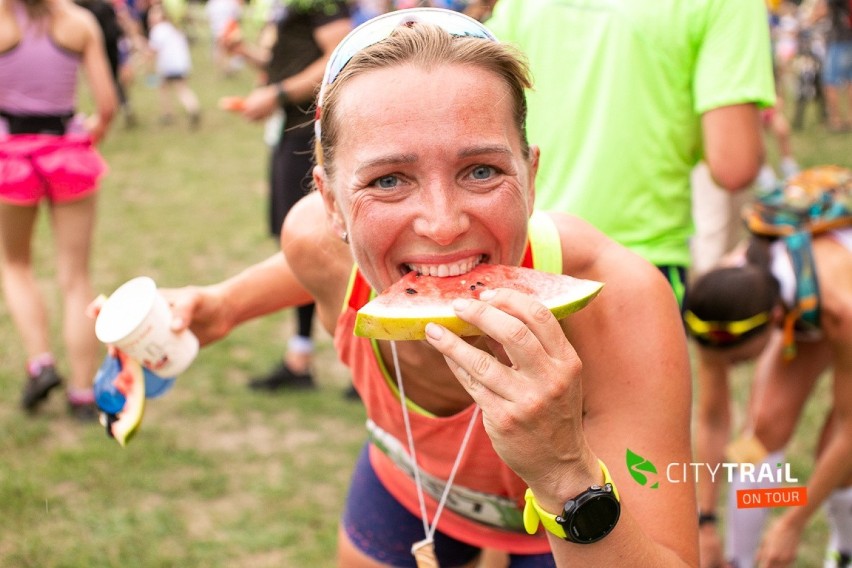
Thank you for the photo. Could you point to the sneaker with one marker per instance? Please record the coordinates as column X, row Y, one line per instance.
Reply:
column 84, row 412
column 281, row 377
column 837, row 559
column 37, row 388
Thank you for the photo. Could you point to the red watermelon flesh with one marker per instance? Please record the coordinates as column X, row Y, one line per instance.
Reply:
column 402, row 310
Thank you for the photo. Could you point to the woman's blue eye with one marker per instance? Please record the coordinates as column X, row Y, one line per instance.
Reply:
column 387, row 182
column 482, row 172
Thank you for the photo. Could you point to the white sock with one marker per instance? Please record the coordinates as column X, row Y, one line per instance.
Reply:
column 838, row 509
column 789, row 166
column 300, row 344
column 744, row 527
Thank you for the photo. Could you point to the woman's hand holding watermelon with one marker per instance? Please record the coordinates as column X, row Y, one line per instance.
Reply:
column 529, row 389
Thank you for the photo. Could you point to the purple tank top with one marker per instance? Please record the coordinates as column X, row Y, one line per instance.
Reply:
column 37, row 77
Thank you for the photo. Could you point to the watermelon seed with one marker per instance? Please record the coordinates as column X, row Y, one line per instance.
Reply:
column 410, row 291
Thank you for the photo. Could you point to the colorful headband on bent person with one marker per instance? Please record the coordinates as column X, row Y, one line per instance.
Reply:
column 381, row 27
column 721, row 333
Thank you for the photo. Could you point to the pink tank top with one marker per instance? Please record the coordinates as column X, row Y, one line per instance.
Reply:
column 486, row 499
column 37, row 76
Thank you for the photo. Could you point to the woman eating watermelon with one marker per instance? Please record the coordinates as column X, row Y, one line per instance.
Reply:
column 515, row 439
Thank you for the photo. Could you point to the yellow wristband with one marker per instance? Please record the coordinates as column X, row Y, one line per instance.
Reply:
column 534, row 514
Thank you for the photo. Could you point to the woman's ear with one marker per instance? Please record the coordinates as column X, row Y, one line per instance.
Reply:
column 535, row 153
column 332, row 209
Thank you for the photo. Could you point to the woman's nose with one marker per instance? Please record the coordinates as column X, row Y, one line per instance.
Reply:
column 442, row 217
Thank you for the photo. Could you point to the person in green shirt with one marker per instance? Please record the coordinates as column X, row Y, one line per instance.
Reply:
column 628, row 96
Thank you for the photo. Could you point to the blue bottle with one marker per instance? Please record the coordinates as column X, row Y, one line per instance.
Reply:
column 108, row 398
column 155, row 385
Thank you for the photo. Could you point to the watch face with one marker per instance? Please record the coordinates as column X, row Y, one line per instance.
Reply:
column 595, row 518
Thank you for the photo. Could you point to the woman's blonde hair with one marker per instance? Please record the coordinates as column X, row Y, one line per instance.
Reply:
column 427, row 46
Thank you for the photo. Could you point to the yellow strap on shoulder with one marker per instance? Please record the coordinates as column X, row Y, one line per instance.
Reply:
column 545, row 243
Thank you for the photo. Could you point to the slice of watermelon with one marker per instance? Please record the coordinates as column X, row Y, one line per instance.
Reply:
column 131, row 383
column 403, row 309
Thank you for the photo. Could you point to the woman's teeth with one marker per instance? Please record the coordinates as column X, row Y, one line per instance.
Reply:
column 443, row 270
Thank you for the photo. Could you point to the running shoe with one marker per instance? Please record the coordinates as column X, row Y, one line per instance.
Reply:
column 38, row 387
column 282, row 378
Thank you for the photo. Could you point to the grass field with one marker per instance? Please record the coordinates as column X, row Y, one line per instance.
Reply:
column 218, row 476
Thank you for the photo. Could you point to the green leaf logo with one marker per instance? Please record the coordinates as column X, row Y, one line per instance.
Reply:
column 636, row 465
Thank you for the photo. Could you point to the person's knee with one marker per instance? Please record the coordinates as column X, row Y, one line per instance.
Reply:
column 17, row 266
column 73, row 280
column 773, row 429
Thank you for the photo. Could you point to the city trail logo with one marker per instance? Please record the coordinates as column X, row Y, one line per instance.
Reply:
column 639, row 467
column 769, row 478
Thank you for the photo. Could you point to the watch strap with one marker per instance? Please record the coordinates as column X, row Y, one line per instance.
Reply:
column 535, row 515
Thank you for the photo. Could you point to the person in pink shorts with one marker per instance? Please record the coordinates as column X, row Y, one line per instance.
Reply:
column 48, row 154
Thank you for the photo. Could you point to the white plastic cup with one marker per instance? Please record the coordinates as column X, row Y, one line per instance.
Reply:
column 136, row 319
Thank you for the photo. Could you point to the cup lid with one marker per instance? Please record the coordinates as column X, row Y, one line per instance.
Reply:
column 125, row 309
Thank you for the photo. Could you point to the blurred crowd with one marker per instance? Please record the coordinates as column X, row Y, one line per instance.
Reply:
column 286, row 43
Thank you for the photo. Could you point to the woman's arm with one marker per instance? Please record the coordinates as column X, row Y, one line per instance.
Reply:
column 99, row 77
column 302, row 87
column 211, row 312
column 313, row 267
column 638, row 396
column 733, row 145
column 553, row 408
column 256, row 54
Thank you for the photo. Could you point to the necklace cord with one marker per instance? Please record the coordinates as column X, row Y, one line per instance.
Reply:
column 429, row 530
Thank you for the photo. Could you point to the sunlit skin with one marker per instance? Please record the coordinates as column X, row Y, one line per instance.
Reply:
column 454, row 191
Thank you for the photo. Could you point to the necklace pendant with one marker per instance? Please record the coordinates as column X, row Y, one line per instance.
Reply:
column 424, row 554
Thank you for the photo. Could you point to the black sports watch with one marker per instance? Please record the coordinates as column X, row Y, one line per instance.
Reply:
column 585, row 519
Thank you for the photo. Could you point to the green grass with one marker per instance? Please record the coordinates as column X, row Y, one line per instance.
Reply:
column 218, row 476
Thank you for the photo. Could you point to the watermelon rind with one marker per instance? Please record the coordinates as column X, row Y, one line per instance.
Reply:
column 128, row 420
column 381, row 319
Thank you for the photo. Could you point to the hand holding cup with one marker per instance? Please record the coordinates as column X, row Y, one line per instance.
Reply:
column 137, row 319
